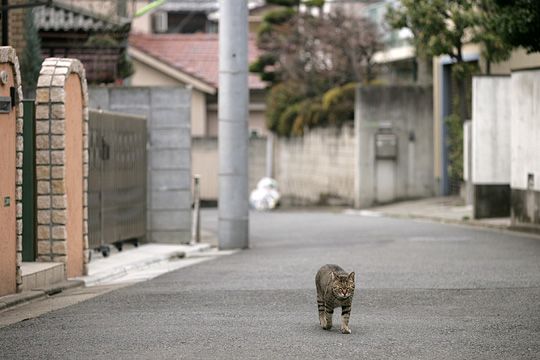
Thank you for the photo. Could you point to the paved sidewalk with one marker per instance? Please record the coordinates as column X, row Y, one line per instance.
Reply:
column 103, row 270
column 119, row 264
column 448, row 209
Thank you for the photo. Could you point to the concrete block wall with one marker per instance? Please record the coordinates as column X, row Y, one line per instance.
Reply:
column 169, row 153
column 525, row 149
column 491, row 146
column 407, row 112
column 317, row 168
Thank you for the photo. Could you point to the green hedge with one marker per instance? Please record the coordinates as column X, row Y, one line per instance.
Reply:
column 290, row 111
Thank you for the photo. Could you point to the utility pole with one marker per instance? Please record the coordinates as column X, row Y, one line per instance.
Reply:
column 233, row 98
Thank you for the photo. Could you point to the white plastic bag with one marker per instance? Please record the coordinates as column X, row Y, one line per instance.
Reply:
column 266, row 196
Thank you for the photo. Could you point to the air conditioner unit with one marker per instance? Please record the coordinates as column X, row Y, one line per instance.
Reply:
column 160, row 22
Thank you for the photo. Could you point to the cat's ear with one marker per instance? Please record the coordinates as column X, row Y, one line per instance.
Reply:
column 351, row 276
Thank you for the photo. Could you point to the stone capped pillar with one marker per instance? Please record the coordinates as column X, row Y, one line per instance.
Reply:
column 11, row 161
column 62, row 164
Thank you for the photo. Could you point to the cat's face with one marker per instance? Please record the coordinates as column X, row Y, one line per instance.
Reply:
column 343, row 285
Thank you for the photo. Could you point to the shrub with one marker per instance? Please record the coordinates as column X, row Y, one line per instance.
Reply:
column 284, row 2
column 280, row 97
column 338, row 104
column 454, row 127
column 287, row 119
column 311, row 115
column 279, row 16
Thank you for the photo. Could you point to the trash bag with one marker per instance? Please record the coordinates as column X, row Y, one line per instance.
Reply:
column 266, row 196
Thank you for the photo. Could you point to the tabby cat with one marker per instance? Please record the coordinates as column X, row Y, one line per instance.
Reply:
column 335, row 288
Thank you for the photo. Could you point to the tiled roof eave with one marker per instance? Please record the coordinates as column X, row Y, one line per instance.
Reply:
column 62, row 17
column 194, row 55
column 170, row 69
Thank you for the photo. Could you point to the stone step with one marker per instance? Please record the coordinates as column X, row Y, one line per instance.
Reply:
column 38, row 275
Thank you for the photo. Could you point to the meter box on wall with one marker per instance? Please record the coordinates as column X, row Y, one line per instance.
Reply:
column 385, row 145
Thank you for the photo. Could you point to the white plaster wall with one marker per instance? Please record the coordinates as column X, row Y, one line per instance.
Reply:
column 467, row 151
column 525, row 134
column 145, row 75
column 205, row 163
column 491, row 130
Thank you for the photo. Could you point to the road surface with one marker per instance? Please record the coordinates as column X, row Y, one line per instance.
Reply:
column 424, row 291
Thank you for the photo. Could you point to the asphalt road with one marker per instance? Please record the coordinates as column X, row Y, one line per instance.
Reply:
column 424, row 291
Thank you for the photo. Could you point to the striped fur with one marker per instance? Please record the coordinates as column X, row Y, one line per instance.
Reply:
column 335, row 288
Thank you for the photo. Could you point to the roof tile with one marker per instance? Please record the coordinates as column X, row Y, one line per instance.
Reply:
column 195, row 54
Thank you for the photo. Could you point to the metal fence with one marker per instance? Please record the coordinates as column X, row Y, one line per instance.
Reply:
column 116, row 180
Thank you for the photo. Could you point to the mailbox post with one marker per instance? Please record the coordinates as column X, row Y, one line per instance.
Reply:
column 385, row 145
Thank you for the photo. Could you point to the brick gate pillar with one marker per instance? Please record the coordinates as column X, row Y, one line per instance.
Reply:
column 62, row 164
column 11, row 156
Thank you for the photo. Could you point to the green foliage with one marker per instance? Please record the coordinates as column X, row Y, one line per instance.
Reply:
column 303, row 56
column 264, row 60
column 488, row 33
column 518, row 22
column 125, row 67
column 288, row 3
column 31, row 58
column 314, row 3
column 279, row 16
column 269, row 76
column 287, row 118
column 311, row 115
column 279, row 98
column 338, row 104
column 441, row 27
column 429, row 21
column 265, row 29
column 290, row 111
column 454, row 127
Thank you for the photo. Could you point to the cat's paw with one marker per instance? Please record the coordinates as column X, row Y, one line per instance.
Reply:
column 327, row 326
column 346, row 330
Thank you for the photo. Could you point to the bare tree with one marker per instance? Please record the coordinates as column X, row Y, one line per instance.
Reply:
column 311, row 61
column 320, row 51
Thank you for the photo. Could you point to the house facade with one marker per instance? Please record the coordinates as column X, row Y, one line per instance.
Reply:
column 191, row 60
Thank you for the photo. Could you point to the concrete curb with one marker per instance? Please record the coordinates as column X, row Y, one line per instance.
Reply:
column 472, row 223
column 467, row 223
column 446, row 221
column 126, row 268
column 26, row 296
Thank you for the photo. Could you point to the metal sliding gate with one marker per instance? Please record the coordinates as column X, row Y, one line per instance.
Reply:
column 116, row 180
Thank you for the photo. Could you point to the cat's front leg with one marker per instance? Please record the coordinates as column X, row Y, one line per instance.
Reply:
column 345, row 315
column 327, row 322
